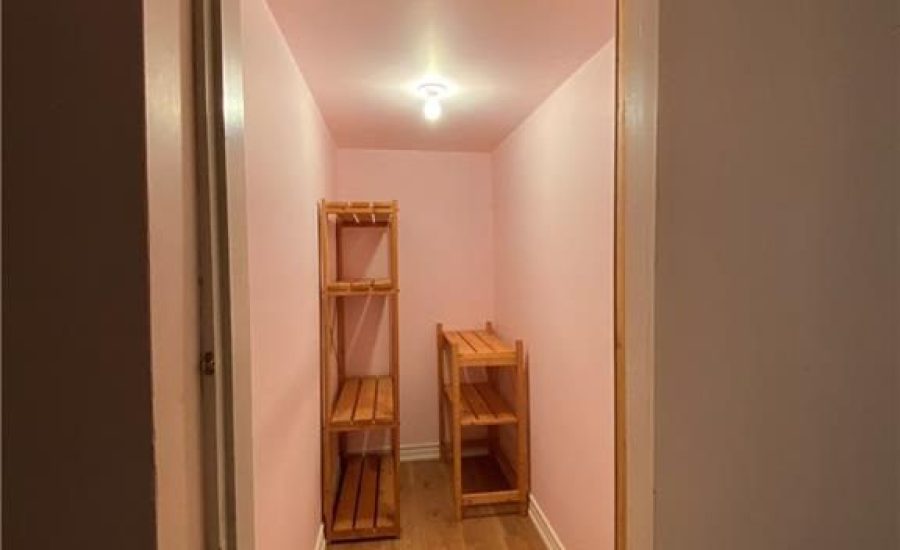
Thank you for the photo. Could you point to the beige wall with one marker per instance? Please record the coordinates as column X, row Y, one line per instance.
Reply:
column 777, row 276
column 288, row 156
column 78, row 457
column 173, row 273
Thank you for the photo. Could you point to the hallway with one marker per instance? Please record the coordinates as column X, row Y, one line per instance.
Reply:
column 428, row 520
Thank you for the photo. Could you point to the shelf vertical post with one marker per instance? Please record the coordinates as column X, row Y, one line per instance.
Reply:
column 442, row 446
column 324, row 314
column 395, row 382
column 339, row 305
column 394, row 252
column 522, row 466
column 493, row 432
column 456, row 429
column 395, row 346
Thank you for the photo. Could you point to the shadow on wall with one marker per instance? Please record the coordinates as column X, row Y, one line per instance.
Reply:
column 363, row 322
column 365, row 254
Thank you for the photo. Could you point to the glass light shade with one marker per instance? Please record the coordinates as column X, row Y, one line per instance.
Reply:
column 432, row 109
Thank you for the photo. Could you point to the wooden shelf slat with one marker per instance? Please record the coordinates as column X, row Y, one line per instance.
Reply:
column 361, row 286
column 476, row 403
column 482, row 405
column 368, row 488
column 387, row 509
column 491, row 497
column 346, row 402
column 365, row 405
column 384, row 404
column 456, row 340
column 496, row 344
column 360, row 213
column 336, row 207
column 364, row 402
column 366, row 505
column 481, row 348
column 346, row 502
column 475, row 342
column 501, row 410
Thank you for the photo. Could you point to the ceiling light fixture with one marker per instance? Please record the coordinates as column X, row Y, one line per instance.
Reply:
column 432, row 93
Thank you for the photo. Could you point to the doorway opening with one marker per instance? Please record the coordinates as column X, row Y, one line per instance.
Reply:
column 495, row 130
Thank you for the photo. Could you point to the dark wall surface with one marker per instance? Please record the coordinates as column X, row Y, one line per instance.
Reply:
column 777, row 275
column 78, row 468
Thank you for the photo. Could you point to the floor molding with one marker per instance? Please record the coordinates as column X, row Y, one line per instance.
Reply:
column 320, row 539
column 413, row 452
column 548, row 535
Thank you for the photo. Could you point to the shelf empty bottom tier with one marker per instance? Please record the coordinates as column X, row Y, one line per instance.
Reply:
column 364, row 402
column 366, row 505
column 488, row 480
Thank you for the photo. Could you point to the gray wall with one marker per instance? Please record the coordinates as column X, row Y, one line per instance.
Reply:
column 77, row 424
column 777, row 275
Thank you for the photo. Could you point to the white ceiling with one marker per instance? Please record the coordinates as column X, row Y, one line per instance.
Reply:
column 363, row 58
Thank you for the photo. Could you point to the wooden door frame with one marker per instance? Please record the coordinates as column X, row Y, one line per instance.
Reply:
column 637, row 37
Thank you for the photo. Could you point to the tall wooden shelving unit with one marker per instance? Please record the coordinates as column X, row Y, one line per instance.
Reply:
column 359, row 491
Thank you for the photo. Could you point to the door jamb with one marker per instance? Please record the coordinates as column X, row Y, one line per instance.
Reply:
column 224, row 294
column 637, row 38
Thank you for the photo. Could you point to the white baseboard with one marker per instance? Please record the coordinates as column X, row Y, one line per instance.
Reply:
column 320, row 539
column 419, row 451
column 548, row 535
column 413, row 452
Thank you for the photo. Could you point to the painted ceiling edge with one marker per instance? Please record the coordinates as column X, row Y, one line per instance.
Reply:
column 489, row 150
column 368, row 99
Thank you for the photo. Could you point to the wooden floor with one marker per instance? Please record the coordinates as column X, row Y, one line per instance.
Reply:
column 428, row 520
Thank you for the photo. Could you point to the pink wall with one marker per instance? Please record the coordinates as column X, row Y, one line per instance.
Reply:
column 288, row 168
column 446, row 263
column 553, row 220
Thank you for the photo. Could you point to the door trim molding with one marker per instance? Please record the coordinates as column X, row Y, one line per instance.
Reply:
column 637, row 90
column 224, row 313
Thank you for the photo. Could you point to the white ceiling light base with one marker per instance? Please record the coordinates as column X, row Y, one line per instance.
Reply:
column 432, row 93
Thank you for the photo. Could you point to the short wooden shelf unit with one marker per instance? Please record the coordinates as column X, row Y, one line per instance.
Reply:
column 359, row 491
column 465, row 403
